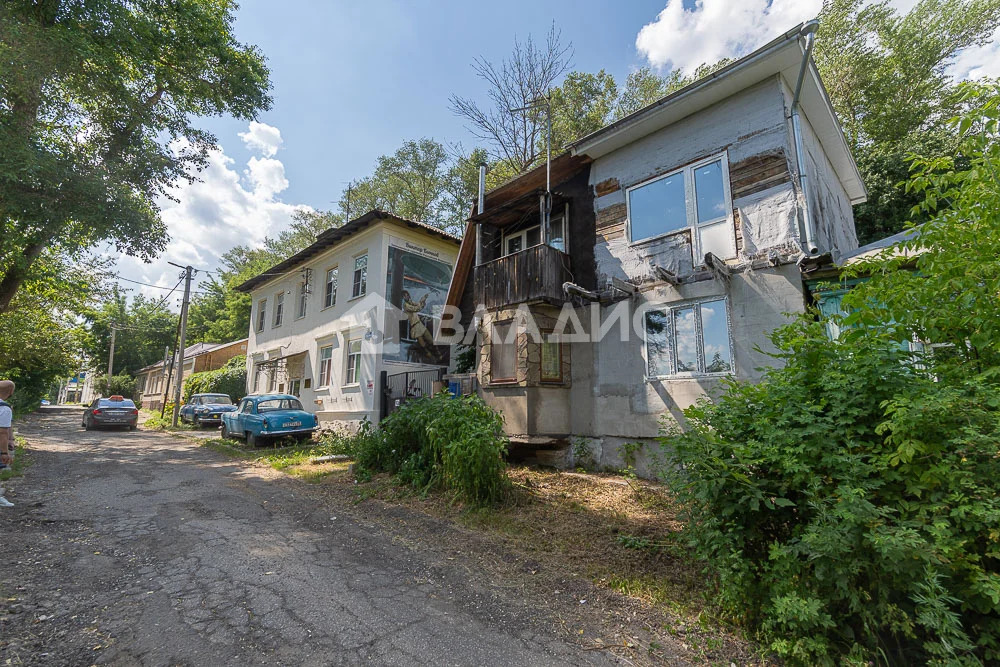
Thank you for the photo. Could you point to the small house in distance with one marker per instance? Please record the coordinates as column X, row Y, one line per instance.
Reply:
column 197, row 358
column 347, row 323
column 666, row 249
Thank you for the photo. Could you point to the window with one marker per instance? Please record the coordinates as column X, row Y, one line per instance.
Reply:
column 330, row 293
column 276, row 404
column 551, row 358
column 503, row 352
column 522, row 239
column 692, row 339
column 303, row 300
column 295, row 387
column 353, row 375
column 360, row 276
column 279, row 308
column 557, row 229
column 696, row 197
column 261, row 314
column 325, row 365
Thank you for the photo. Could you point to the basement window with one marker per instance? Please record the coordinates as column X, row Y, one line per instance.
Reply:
column 688, row 339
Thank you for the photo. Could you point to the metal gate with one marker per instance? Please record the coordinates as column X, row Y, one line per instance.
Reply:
column 399, row 388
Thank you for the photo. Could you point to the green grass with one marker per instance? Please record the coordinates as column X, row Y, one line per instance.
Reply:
column 21, row 461
column 157, row 423
column 278, row 457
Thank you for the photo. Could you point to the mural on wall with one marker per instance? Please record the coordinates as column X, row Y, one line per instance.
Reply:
column 417, row 283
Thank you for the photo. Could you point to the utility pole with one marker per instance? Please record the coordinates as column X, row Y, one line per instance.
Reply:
column 111, row 357
column 188, row 273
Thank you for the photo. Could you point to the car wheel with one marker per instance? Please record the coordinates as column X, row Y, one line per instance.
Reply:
column 86, row 425
column 132, row 427
column 253, row 439
column 225, row 432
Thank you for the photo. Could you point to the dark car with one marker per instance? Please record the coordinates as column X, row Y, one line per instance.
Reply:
column 206, row 408
column 113, row 411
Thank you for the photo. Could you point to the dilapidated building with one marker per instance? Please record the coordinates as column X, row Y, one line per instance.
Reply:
column 657, row 255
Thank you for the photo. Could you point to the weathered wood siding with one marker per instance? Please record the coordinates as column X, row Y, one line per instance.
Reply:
column 534, row 274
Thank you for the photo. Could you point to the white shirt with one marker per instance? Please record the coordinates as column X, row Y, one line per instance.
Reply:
column 6, row 414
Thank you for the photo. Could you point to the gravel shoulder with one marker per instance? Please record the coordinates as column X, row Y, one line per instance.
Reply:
column 144, row 548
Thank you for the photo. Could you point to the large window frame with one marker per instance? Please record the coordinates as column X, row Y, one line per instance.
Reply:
column 694, row 227
column 359, row 279
column 325, row 371
column 302, row 304
column 261, row 315
column 670, row 311
column 352, row 356
column 279, row 310
column 330, row 287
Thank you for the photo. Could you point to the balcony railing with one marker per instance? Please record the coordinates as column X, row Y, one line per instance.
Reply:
column 532, row 275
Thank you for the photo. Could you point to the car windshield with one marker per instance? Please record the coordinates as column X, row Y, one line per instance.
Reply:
column 217, row 399
column 107, row 403
column 273, row 404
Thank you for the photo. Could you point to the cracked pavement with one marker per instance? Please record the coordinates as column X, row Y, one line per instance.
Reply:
column 141, row 548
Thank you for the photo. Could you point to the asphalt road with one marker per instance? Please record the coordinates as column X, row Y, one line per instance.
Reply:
column 141, row 548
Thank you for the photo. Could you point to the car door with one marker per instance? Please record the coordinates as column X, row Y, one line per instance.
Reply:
column 241, row 415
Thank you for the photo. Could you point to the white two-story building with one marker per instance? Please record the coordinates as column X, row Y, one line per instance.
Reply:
column 340, row 323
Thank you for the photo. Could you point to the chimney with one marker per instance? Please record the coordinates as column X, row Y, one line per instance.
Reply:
column 482, row 188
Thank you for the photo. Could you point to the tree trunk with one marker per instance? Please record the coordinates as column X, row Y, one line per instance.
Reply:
column 16, row 275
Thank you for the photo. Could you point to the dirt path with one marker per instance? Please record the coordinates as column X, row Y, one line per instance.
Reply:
column 140, row 548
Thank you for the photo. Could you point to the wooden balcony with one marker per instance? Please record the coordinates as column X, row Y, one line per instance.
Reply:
column 533, row 275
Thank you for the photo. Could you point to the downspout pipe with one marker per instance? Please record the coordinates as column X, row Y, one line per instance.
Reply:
column 479, row 210
column 808, row 31
column 575, row 290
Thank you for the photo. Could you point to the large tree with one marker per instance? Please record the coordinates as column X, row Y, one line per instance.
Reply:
column 97, row 99
column 513, row 123
column 145, row 327
column 887, row 77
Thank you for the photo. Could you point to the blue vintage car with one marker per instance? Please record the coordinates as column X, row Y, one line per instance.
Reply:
column 206, row 408
column 268, row 416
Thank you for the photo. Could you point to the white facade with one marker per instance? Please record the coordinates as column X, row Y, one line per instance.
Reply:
column 330, row 351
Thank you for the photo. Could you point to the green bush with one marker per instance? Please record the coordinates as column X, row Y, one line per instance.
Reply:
column 231, row 380
column 440, row 442
column 848, row 503
column 122, row 384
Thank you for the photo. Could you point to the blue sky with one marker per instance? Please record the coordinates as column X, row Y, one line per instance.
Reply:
column 354, row 80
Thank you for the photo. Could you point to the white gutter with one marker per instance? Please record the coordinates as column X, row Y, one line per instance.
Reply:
column 809, row 31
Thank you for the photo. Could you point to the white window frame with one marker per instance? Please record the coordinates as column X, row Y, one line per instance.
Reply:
column 691, row 208
column 278, row 317
column 302, row 303
column 352, row 371
column 671, row 310
column 563, row 217
column 330, row 291
column 261, row 314
column 363, row 284
column 325, row 379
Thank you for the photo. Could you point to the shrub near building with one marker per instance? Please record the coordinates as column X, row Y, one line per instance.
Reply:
column 849, row 504
column 231, row 380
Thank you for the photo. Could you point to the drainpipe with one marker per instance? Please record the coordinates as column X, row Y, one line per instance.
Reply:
column 809, row 32
column 479, row 210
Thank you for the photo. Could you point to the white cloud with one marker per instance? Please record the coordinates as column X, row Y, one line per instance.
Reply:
column 978, row 61
column 214, row 214
column 263, row 138
column 716, row 29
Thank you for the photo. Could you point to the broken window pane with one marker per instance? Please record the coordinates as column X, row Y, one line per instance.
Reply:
column 715, row 330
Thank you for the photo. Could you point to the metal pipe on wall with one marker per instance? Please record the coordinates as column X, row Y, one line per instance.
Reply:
column 809, row 31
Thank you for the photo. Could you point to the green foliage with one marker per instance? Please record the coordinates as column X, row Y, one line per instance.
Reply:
column 145, row 328
column 440, row 442
column 231, row 380
column 849, row 503
column 97, row 104
column 887, row 78
column 465, row 361
column 122, row 384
